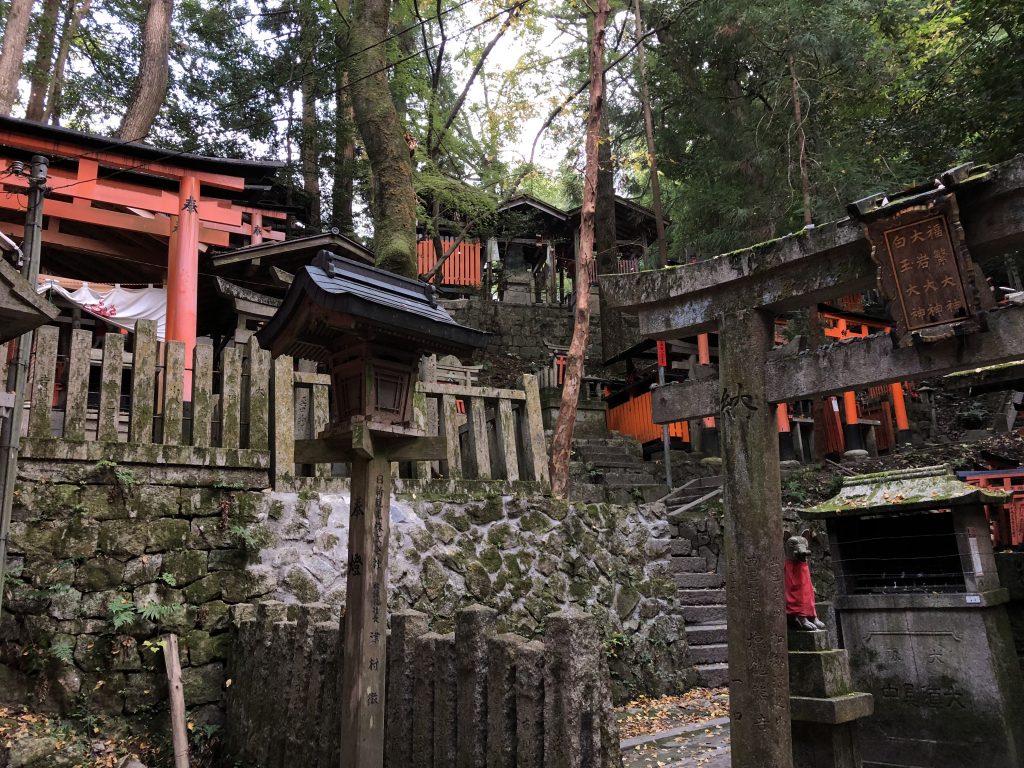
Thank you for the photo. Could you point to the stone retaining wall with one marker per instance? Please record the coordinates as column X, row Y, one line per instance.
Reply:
column 106, row 557
column 473, row 697
column 522, row 329
column 525, row 556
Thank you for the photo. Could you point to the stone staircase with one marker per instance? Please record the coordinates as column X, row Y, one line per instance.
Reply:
column 615, row 464
column 701, row 587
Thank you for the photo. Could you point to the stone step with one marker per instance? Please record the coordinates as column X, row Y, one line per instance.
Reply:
column 706, row 634
column 701, row 596
column 687, row 581
column 712, row 675
column 704, row 614
column 615, row 462
column 617, row 441
column 590, row 493
column 689, row 565
column 634, row 493
column 717, row 653
column 621, row 479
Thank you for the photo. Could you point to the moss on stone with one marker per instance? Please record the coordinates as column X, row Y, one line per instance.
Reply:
column 458, row 520
column 478, row 581
column 491, row 560
column 301, row 584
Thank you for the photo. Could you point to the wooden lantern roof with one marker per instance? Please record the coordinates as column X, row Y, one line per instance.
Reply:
column 334, row 300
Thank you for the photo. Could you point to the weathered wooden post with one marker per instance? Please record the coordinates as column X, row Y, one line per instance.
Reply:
column 370, row 328
column 918, row 242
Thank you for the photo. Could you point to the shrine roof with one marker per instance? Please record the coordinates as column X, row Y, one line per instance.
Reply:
column 335, row 295
column 907, row 490
column 55, row 140
column 297, row 252
column 21, row 308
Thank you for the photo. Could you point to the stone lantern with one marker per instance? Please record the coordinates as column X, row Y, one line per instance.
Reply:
column 370, row 328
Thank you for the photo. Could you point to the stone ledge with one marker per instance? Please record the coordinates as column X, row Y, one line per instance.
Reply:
column 922, row 600
column 833, row 710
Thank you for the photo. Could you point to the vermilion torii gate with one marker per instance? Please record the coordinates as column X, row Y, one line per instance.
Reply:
column 739, row 294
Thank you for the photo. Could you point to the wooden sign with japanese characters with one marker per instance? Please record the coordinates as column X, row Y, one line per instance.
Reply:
column 925, row 269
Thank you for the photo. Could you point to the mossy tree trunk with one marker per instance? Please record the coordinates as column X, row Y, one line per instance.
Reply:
column 394, row 198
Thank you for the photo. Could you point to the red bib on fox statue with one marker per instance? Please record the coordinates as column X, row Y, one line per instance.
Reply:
column 800, row 610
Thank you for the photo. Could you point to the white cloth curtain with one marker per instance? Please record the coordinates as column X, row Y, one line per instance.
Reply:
column 118, row 306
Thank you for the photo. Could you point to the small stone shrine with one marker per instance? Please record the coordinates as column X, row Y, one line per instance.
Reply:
column 922, row 615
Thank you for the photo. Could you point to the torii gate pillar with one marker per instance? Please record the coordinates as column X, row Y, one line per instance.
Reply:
column 758, row 662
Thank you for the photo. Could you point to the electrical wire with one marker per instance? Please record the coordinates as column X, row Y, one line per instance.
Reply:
column 390, row 65
column 300, row 78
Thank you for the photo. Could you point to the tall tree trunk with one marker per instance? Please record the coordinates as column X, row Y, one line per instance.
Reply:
column 394, row 236
column 344, row 143
column 561, row 441
column 606, row 247
column 151, row 84
column 309, row 152
column 11, row 52
column 652, row 161
column 801, row 136
column 74, row 13
column 40, row 73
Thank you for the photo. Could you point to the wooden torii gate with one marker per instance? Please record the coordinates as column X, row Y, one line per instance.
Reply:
column 739, row 294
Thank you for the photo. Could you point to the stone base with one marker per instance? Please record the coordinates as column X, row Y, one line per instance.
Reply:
column 825, row 746
column 833, row 710
column 858, row 454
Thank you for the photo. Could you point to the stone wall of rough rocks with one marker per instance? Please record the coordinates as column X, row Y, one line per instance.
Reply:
column 104, row 558
column 470, row 697
column 522, row 329
column 525, row 556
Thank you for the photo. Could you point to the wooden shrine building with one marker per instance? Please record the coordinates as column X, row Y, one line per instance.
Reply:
column 132, row 214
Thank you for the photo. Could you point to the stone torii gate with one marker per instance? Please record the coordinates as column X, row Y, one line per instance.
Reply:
column 739, row 295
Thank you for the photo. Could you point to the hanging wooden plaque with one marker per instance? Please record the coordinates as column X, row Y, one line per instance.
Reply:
column 926, row 271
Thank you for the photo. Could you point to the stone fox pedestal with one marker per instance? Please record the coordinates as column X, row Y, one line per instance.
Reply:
column 922, row 615
column 823, row 706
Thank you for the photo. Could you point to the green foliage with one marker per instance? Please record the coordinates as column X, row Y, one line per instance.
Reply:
column 122, row 613
column 252, row 538
column 63, row 651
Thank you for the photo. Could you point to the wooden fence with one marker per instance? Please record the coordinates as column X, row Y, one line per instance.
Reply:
column 104, row 403
column 86, row 399
column 461, row 268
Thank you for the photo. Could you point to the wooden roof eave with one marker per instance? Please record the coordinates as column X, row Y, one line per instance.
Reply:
column 21, row 308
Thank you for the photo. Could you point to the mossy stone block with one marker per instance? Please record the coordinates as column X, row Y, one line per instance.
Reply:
column 456, row 519
column 123, row 537
column 535, row 522
column 491, row 511
column 203, row 685
column 185, row 566
column 490, row 559
column 626, row 601
column 478, row 581
column 302, row 585
column 501, row 534
column 98, row 574
column 204, row 648
column 213, row 616
column 227, row 560
column 434, row 578
column 205, row 589
column 166, row 534
column 142, row 570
